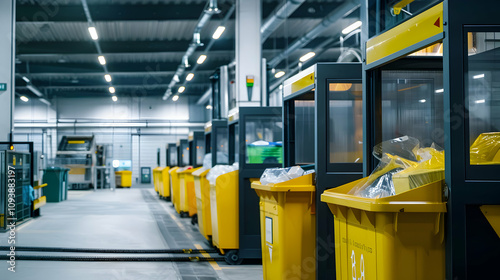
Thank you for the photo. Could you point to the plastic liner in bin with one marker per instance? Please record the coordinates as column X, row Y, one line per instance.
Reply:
column 403, row 166
column 218, row 170
column 485, row 149
column 279, row 175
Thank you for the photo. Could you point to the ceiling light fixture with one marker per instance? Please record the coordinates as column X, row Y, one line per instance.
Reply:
column 175, row 98
column 480, row 76
column 218, row 32
column 114, row 98
column 351, row 27
column 24, row 98
column 201, row 59
column 422, row 101
column 209, row 107
column 93, row 33
column 102, row 60
column 441, row 90
column 112, row 90
column 189, row 77
column 279, row 74
column 26, row 79
column 480, row 101
column 307, row 56
column 181, row 89
column 107, row 77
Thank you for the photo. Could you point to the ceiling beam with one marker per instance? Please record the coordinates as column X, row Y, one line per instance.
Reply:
column 92, row 75
column 130, row 12
column 35, row 68
column 87, row 47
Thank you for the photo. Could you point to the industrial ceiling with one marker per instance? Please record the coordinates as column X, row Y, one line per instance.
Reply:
column 144, row 41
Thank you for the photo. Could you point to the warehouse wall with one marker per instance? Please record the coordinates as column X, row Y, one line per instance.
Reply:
column 126, row 143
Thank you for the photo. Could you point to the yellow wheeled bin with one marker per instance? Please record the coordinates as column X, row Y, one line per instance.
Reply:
column 186, row 192
column 202, row 192
column 156, row 178
column 225, row 212
column 395, row 237
column 123, row 178
column 288, row 228
column 165, row 183
column 174, row 187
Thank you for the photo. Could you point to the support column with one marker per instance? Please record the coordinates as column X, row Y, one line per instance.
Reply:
column 7, row 63
column 248, row 53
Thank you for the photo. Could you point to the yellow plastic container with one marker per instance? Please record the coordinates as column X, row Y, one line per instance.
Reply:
column 123, row 178
column 288, row 228
column 202, row 192
column 165, row 183
column 156, row 178
column 191, row 194
column 225, row 212
column 186, row 191
column 396, row 237
column 174, row 183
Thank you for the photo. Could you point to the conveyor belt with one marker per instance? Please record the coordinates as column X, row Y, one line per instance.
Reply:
column 111, row 259
column 110, row 251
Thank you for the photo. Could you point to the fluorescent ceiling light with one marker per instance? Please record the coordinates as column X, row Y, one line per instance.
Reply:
column 422, row 101
column 209, row 107
column 93, row 33
column 114, row 98
column 480, row 101
column 43, row 100
column 26, row 79
column 478, row 76
column 351, row 27
column 176, row 78
column 439, row 90
column 279, row 74
column 181, row 89
column 218, row 32
column 201, row 59
column 107, row 77
column 102, row 60
column 112, row 89
column 175, row 98
column 307, row 56
column 24, row 98
column 189, row 77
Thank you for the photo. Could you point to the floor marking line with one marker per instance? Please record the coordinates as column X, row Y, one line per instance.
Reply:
column 214, row 265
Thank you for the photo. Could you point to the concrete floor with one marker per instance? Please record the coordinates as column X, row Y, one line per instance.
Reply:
column 121, row 219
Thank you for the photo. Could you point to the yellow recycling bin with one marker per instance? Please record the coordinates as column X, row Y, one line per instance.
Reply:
column 288, row 228
column 396, row 237
column 123, row 178
column 225, row 212
column 156, row 179
column 186, row 191
column 165, row 183
column 202, row 191
column 174, row 184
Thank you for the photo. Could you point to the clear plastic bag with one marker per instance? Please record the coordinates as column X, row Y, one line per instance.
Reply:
column 207, row 161
column 403, row 166
column 278, row 175
column 218, row 170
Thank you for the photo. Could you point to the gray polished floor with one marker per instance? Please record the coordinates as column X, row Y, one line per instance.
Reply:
column 121, row 219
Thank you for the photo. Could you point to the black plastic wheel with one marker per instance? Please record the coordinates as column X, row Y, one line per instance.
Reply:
column 194, row 219
column 232, row 257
